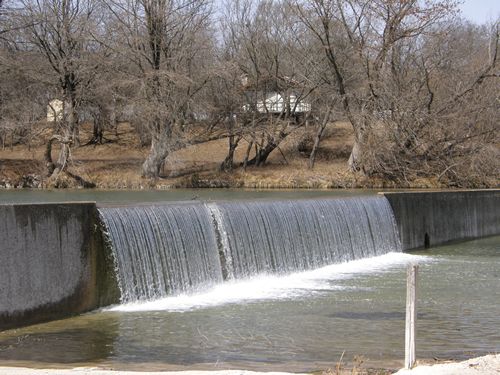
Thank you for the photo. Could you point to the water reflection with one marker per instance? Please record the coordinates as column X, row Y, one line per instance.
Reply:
column 79, row 340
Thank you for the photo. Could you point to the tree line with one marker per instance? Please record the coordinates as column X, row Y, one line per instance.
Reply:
column 418, row 83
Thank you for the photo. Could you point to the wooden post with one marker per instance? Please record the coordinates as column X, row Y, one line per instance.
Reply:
column 411, row 315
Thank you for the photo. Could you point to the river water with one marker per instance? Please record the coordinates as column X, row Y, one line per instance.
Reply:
column 149, row 196
column 298, row 322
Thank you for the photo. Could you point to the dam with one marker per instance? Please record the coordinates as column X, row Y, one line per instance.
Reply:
column 171, row 249
column 206, row 270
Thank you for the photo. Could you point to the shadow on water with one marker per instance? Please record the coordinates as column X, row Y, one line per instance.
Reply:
column 65, row 347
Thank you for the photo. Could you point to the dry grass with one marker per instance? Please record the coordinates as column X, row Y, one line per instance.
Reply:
column 286, row 167
column 117, row 163
column 357, row 367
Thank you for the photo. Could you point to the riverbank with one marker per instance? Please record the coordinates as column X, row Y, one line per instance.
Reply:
column 116, row 164
column 96, row 371
column 486, row 365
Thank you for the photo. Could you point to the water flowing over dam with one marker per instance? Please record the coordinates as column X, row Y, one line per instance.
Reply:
column 170, row 249
column 162, row 250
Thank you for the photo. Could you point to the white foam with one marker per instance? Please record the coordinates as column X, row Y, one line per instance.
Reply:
column 265, row 287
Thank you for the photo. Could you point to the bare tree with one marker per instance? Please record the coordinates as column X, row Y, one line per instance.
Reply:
column 418, row 85
column 167, row 43
column 3, row 26
column 442, row 123
column 22, row 103
column 359, row 39
column 59, row 31
column 260, row 37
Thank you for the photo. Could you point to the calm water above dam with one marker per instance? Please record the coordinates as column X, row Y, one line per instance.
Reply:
column 145, row 196
column 302, row 321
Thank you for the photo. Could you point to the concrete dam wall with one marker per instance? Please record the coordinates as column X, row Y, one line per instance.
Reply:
column 53, row 263
column 427, row 219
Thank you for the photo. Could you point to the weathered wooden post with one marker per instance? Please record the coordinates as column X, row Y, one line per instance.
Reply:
column 411, row 315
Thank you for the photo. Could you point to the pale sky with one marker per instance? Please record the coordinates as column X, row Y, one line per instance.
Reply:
column 481, row 11
column 478, row 11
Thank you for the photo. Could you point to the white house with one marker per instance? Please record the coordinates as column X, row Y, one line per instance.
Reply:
column 55, row 110
column 275, row 103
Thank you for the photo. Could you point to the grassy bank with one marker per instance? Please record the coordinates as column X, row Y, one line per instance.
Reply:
column 116, row 164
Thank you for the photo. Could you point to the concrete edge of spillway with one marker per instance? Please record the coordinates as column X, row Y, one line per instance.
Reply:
column 426, row 219
column 55, row 262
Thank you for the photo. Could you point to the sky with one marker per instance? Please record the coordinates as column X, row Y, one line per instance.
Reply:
column 478, row 11
column 481, row 11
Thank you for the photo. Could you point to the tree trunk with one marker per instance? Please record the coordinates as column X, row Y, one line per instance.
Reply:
column 112, row 116
column 228, row 163
column 355, row 162
column 62, row 160
column 53, row 169
column 71, row 118
column 264, row 151
column 97, row 129
column 75, row 136
column 355, row 157
column 97, row 132
column 113, row 120
column 256, row 159
column 247, row 154
column 317, row 140
column 47, row 156
column 158, row 153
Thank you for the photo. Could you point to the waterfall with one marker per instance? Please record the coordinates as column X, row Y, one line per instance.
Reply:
column 175, row 248
column 285, row 236
column 162, row 250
